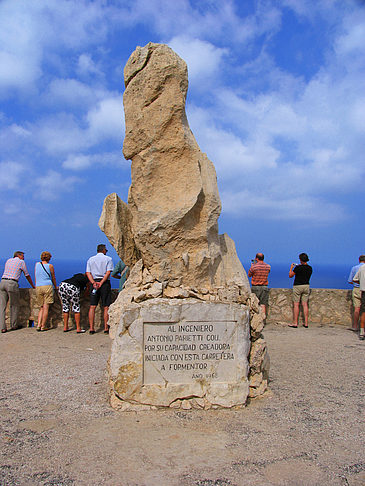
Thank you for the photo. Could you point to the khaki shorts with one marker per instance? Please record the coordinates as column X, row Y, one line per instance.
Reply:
column 44, row 294
column 356, row 296
column 300, row 292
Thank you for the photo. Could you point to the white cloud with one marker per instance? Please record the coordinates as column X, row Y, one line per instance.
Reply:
column 253, row 204
column 106, row 119
column 10, row 175
column 203, row 58
column 80, row 162
column 86, row 65
column 64, row 132
column 73, row 93
column 33, row 31
column 215, row 21
column 53, row 184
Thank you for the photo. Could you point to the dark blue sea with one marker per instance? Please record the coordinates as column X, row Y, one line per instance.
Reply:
column 324, row 276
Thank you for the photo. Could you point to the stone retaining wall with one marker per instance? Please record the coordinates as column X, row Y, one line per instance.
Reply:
column 29, row 311
column 326, row 306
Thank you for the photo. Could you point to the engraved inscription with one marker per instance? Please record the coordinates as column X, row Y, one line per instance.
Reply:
column 184, row 352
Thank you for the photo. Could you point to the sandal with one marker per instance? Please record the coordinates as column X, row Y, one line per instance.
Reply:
column 292, row 325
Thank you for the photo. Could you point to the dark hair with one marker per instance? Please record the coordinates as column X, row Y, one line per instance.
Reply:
column 362, row 258
column 260, row 256
column 303, row 257
column 17, row 253
column 100, row 247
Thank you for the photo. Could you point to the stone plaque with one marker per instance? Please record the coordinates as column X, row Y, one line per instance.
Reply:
column 188, row 351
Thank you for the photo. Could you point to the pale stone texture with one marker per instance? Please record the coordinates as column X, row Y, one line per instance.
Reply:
column 128, row 354
column 326, row 306
column 168, row 234
column 173, row 204
column 115, row 222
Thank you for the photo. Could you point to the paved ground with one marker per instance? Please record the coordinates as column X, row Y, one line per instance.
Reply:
column 58, row 429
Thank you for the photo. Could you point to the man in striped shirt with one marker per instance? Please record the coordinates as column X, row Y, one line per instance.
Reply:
column 9, row 288
column 259, row 272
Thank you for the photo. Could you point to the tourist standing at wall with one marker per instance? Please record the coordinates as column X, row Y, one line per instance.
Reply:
column 45, row 282
column 98, row 270
column 259, row 272
column 70, row 291
column 302, row 274
column 356, row 293
column 120, row 271
column 9, row 288
column 360, row 277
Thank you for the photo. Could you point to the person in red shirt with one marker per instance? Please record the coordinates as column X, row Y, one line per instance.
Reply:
column 259, row 272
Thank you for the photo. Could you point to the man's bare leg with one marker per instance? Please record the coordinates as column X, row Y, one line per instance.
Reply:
column 362, row 327
column 92, row 317
column 106, row 318
column 355, row 321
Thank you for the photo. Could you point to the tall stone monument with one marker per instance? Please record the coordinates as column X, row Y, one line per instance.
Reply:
column 186, row 330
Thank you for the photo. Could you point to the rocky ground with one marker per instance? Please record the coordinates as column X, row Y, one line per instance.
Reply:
column 58, row 429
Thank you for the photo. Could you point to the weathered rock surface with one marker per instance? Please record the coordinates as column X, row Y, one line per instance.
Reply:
column 115, row 221
column 182, row 270
column 173, row 203
column 189, row 352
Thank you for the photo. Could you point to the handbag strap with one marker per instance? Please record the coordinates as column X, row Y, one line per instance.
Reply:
column 44, row 268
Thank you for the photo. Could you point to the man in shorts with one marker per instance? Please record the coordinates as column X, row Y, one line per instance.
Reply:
column 98, row 270
column 356, row 294
column 360, row 277
column 9, row 289
column 302, row 274
column 259, row 272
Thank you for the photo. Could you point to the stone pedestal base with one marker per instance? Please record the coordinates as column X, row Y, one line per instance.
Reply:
column 174, row 353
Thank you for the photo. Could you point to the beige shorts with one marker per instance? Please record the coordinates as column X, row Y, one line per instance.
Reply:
column 44, row 294
column 300, row 292
column 356, row 296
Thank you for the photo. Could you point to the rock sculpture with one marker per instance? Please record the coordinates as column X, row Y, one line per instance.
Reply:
column 168, row 235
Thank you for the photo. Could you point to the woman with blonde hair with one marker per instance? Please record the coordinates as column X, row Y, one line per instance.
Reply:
column 45, row 282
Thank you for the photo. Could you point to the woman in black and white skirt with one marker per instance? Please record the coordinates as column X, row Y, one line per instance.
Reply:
column 70, row 290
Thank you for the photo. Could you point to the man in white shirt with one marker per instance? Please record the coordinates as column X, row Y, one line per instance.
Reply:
column 98, row 270
column 360, row 277
column 356, row 293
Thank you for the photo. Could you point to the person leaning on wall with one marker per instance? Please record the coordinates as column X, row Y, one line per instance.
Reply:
column 45, row 282
column 98, row 270
column 70, row 291
column 120, row 272
column 302, row 274
column 9, row 289
column 259, row 272
column 360, row 277
column 356, row 294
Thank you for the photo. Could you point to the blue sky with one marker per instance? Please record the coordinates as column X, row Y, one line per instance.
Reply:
column 276, row 99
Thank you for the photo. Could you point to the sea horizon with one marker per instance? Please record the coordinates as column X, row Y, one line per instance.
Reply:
column 325, row 276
